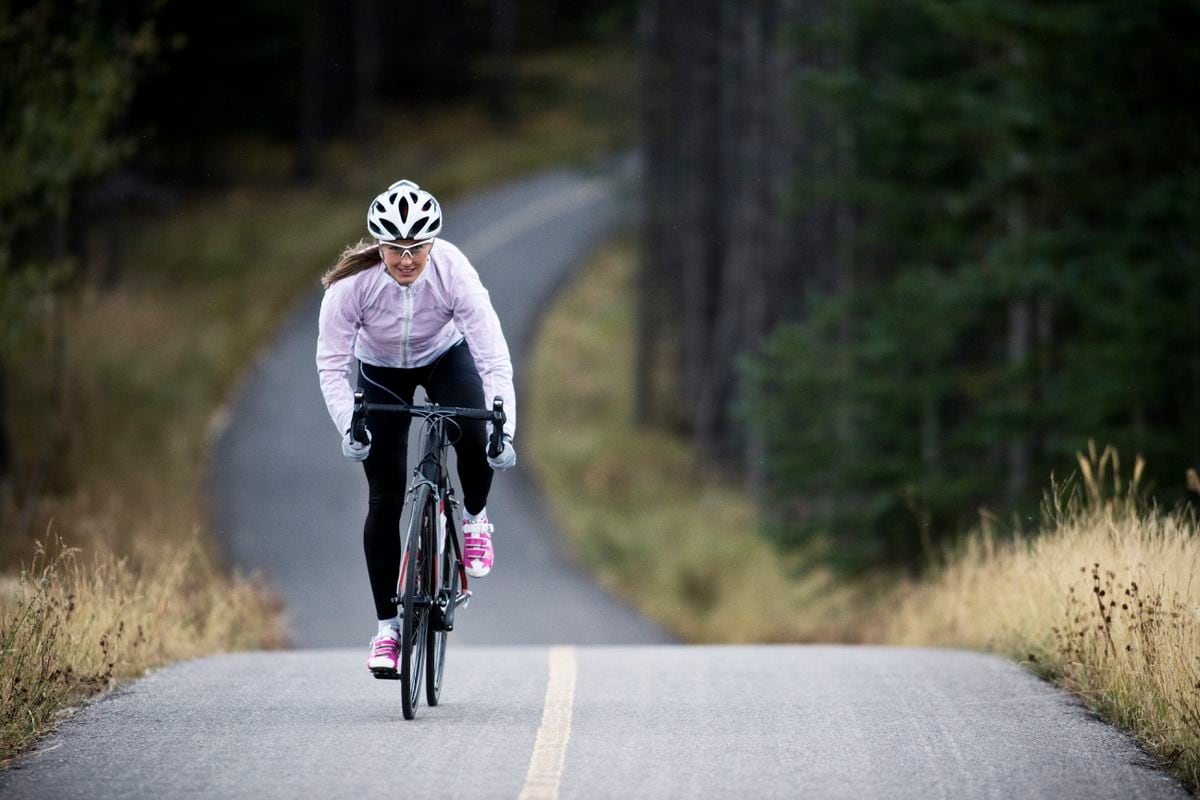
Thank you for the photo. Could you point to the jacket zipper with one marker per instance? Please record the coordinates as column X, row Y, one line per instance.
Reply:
column 406, row 328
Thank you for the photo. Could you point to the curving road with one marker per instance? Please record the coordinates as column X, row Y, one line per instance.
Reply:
column 553, row 688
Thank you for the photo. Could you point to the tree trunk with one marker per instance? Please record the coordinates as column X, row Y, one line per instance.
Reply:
column 309, row 103
column 366, row 65
column 6, row 454
column 504, row 77
column 700, row 227
column 440, row 65
column 1019, row 349
column 653, row 278
column 845, row 222
column 1020, row 334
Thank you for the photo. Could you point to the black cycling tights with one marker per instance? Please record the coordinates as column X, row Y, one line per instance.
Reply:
column 452, row 380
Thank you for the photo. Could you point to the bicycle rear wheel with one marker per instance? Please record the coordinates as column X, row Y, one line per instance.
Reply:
column 447, row 583
column 416, row 600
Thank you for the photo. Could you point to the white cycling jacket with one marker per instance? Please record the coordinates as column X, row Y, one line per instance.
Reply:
column 370, row 316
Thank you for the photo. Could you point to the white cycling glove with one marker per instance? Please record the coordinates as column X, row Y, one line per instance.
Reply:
column 508, row 456
column 353, row 450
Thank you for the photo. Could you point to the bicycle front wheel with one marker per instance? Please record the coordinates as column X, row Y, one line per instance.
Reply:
column 416, row 599
column 447, row 584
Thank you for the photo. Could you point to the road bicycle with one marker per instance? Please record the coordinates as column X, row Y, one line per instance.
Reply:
column 433, row 578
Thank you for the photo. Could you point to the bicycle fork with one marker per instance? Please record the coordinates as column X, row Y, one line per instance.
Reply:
column 448, row 600
column 443, row 608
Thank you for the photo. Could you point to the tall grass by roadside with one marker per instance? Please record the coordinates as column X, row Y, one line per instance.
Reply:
column 114, row 416
column 1103, row 600
column 71, row 625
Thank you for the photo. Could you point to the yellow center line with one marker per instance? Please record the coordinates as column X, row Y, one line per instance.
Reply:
column 550, row 747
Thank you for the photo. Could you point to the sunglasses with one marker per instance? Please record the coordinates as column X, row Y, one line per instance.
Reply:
column 412, row 250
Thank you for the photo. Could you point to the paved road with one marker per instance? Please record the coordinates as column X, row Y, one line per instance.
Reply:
column 647, row 722
column 553, row 688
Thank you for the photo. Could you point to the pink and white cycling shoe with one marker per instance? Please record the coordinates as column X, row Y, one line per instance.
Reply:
column 385, row 654
column 478, row 552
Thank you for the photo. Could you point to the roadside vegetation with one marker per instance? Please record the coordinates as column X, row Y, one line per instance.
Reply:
column 76, row 623
column 108, row 563
column 1100, row 599
column 1104, row 600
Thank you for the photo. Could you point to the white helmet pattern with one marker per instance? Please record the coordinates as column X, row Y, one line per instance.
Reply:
column 404, row 211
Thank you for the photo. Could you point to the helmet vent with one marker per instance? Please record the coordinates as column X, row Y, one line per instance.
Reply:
column 404, row 211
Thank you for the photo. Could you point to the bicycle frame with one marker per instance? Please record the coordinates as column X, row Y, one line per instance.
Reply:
column 431, row 471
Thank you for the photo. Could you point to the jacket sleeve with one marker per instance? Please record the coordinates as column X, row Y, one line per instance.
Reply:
column 336, row 332
column 475, row 317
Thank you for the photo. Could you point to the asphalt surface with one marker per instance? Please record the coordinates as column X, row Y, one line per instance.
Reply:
column 648, row 722
column 618, row 711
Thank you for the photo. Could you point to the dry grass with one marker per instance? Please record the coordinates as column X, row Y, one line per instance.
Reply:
column 73, row 626
column 680, row 543
column 1105, row 601
column 114, row 413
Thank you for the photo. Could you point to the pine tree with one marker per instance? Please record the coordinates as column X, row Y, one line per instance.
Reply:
column 1024, row 272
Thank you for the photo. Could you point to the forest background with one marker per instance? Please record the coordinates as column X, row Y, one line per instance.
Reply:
column 903, row 260
column 117, row 116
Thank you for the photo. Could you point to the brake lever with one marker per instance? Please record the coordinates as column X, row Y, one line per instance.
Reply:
column 496, row 444
column 358, row 422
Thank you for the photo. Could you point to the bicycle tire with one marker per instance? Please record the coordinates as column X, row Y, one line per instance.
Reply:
column 435, row 649
column 415, row 621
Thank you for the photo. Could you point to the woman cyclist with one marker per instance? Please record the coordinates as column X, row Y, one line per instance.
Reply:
column 412, row 310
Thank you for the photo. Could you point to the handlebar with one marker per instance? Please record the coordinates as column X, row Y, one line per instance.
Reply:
column 358, row 422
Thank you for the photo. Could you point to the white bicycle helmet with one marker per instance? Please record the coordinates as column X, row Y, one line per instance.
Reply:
column 404, row 211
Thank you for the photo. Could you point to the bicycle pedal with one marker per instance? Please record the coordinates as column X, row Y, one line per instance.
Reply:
column 385, row 674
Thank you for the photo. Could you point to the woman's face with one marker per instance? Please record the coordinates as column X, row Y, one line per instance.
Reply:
column 405, row 260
